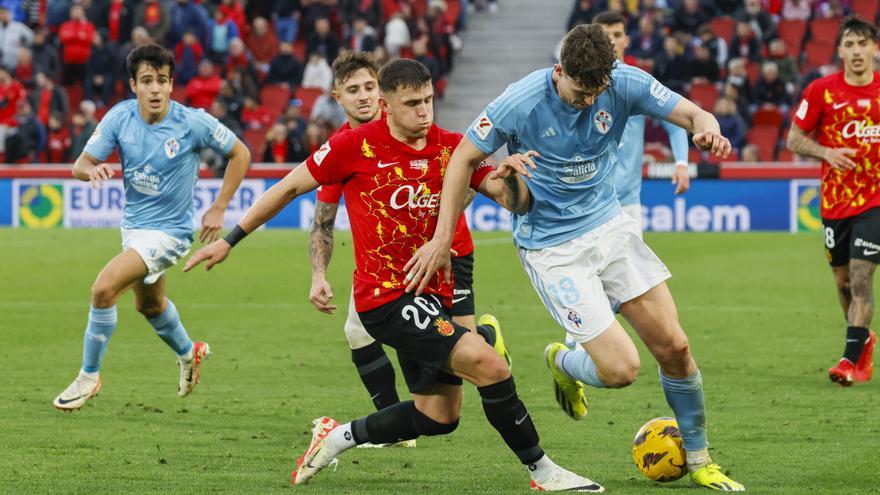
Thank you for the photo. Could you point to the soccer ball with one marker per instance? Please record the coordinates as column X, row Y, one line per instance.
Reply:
column 657, row 450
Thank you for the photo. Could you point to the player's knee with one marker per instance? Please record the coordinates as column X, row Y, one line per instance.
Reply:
column 675, row 351
column 622, row 375
column 103, row 295
column 430, row 427
column 150, row 308
column 491, row 366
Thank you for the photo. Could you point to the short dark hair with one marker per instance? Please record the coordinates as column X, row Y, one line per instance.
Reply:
column 349, row 61
column 151, row 54
column 403, row 73
column 588, row 56
column 856, row 25
column 609, row 18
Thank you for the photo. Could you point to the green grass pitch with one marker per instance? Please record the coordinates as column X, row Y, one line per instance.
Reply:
column 760, row 310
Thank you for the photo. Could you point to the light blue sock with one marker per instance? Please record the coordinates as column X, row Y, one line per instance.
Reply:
column 685, row 397
column 102, row 323
column 578, row 365
column 169, row 328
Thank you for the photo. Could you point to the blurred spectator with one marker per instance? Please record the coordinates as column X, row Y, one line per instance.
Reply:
column 286, row 16
column 220, row 33
column 380, row 55
column 421, row 53
column 254, row 115
column 788, row 68
column 739, row 78
column 313, row 138
column 220, row 112
column 203, row 89
column 234, row 11
column 672, row 65
column 363, row 36
column 231, row 99
column 100, row 72
column 153, row 15
column 188, row 16
column 810, row 76
column 285, row 68
column 58, row 141
column 725, row 7
column 717, row 46
column 81, row 130
column 293, row 119
column 370, row 11
column 689, row 16
column 831, row 9
column 704, row 68
column 262, row 43
column 24, row 72
column 187, row 57
column 583, row 13
column 47, row 98
column 743, row 105
column 322, row 40
column 397, row 35
column 46, row 58
column 646, row 44
column 76, row 37
column 798, row 10
column 13, row 35
column 733, row 127
column 329, row 112
column 278, row 147
column 139, row 37
column 11, row 93
column 745, row 44
column 242, row 62
column 769, row 89
column 750, row 153
column 317, row 73
column 117, row 19
column 761, row 22
column 27, row 138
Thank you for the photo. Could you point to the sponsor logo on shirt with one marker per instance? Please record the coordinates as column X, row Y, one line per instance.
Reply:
column 321, row 153
column 172, row 147
column 861, row 129
column 414, row 198
column 418, row 164
column 483, row 126
column 579, row 170
column 603, row 120
column 660, row 92
column 145, row 181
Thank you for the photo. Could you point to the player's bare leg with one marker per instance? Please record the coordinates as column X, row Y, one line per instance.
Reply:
column 489, row 328
column 844, row 293
column 857, row 361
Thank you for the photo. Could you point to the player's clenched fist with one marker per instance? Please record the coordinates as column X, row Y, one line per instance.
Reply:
column 211, row 254
column 713, row 142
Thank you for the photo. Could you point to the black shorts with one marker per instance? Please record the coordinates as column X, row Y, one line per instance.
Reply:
column 420, row 329
column 463, row 293
column 855, row 237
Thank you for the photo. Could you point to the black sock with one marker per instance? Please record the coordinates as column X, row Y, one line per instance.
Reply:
column 487, row 332
column 402, row 421
column 508, row 415
column 855, row 342
column 377, row 373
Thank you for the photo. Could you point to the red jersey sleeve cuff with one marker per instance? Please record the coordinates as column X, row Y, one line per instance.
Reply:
column 480, row 173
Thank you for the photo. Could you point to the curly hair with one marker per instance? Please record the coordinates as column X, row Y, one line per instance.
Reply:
column 588, row 56
column 151, row 54
column 348, row 62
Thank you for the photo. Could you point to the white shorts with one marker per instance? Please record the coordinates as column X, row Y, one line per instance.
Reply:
column 634, row 212
column 582, row 282
column 159, row 250
column 354, row 330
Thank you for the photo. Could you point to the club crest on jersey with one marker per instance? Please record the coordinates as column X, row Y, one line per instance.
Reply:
column 444, row 328
column 603, row 121
column 172, row 147
column 483, row 126
column 574, row 318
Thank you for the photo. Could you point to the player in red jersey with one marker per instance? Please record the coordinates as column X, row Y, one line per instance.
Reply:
column 844, row 110
column 394, row 169
column 356, row 89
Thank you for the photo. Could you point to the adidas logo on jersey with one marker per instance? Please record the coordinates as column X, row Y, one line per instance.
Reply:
column 550, row 132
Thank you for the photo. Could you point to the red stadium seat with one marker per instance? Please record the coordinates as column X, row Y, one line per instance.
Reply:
column 792, row 32
column 819, row 52
column 75, row 95
column 768, row 115
column 786, row 155
column 765, row 138
column 705, row 95
column 695, row 155
column 308, row 97
column 824, row 29
column 256, row 141
column 274, row 97
column 723, row 27
column 178, row 94
column 753, row 71
column 867, row 9
column 299, row 51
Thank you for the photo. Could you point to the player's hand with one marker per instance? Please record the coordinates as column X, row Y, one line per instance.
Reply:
column 425, row 262
column 212, row 222
column 517, row 163
column 99, row 174
column 211, row 254
column 713, row 142
column 681, row 179
column 321, row 294
column 839, row 158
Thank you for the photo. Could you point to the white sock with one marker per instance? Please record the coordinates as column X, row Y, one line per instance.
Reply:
column 89, row 375
column 339, row 440
column 189, row 355
column 541, row 469
column 697, row 459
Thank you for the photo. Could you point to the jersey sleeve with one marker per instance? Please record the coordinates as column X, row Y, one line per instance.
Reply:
column 645, row 95
column 332, row 163
column 493, row 128
column 105, row 137
column 809, row 110
column 678, row 141
column 330, row 193
column 210, row 133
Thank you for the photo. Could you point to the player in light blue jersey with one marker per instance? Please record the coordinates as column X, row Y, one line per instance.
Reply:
column 158, row 141
column 585, row 259
column 628, row 173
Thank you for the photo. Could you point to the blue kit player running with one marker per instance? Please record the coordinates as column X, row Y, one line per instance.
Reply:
column 158, row 141
column 628, row 173
column 584, row 257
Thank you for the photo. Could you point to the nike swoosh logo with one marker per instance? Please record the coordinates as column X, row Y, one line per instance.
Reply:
column 383, row 165
column 870, row 253
column 62, row 401
column 838, row 106
column 377, row 395
column 852, row 340
column 519, row 421
column 458, row 300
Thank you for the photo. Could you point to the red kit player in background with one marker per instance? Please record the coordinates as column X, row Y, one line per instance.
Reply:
column 844, row 110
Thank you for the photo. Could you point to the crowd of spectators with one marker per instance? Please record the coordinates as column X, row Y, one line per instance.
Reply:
column 746, row 61
column 262, row 67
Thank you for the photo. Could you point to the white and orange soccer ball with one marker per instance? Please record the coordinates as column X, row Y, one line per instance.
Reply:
column 657, row 450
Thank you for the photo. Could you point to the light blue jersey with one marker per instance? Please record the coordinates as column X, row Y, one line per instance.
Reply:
column 160, row 163
column 628, row 174
column 572, row 190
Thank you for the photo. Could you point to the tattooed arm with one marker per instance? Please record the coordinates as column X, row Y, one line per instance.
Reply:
column 320, row 252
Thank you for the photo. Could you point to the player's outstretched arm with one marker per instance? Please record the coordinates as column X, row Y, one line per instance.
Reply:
column 320, row 252
column 506, row 185
column 704, row 126
column 298, row 181
column 89, row 169
column 678, row 141
column 800, row 143
column 434, row 255
column 239, row 161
